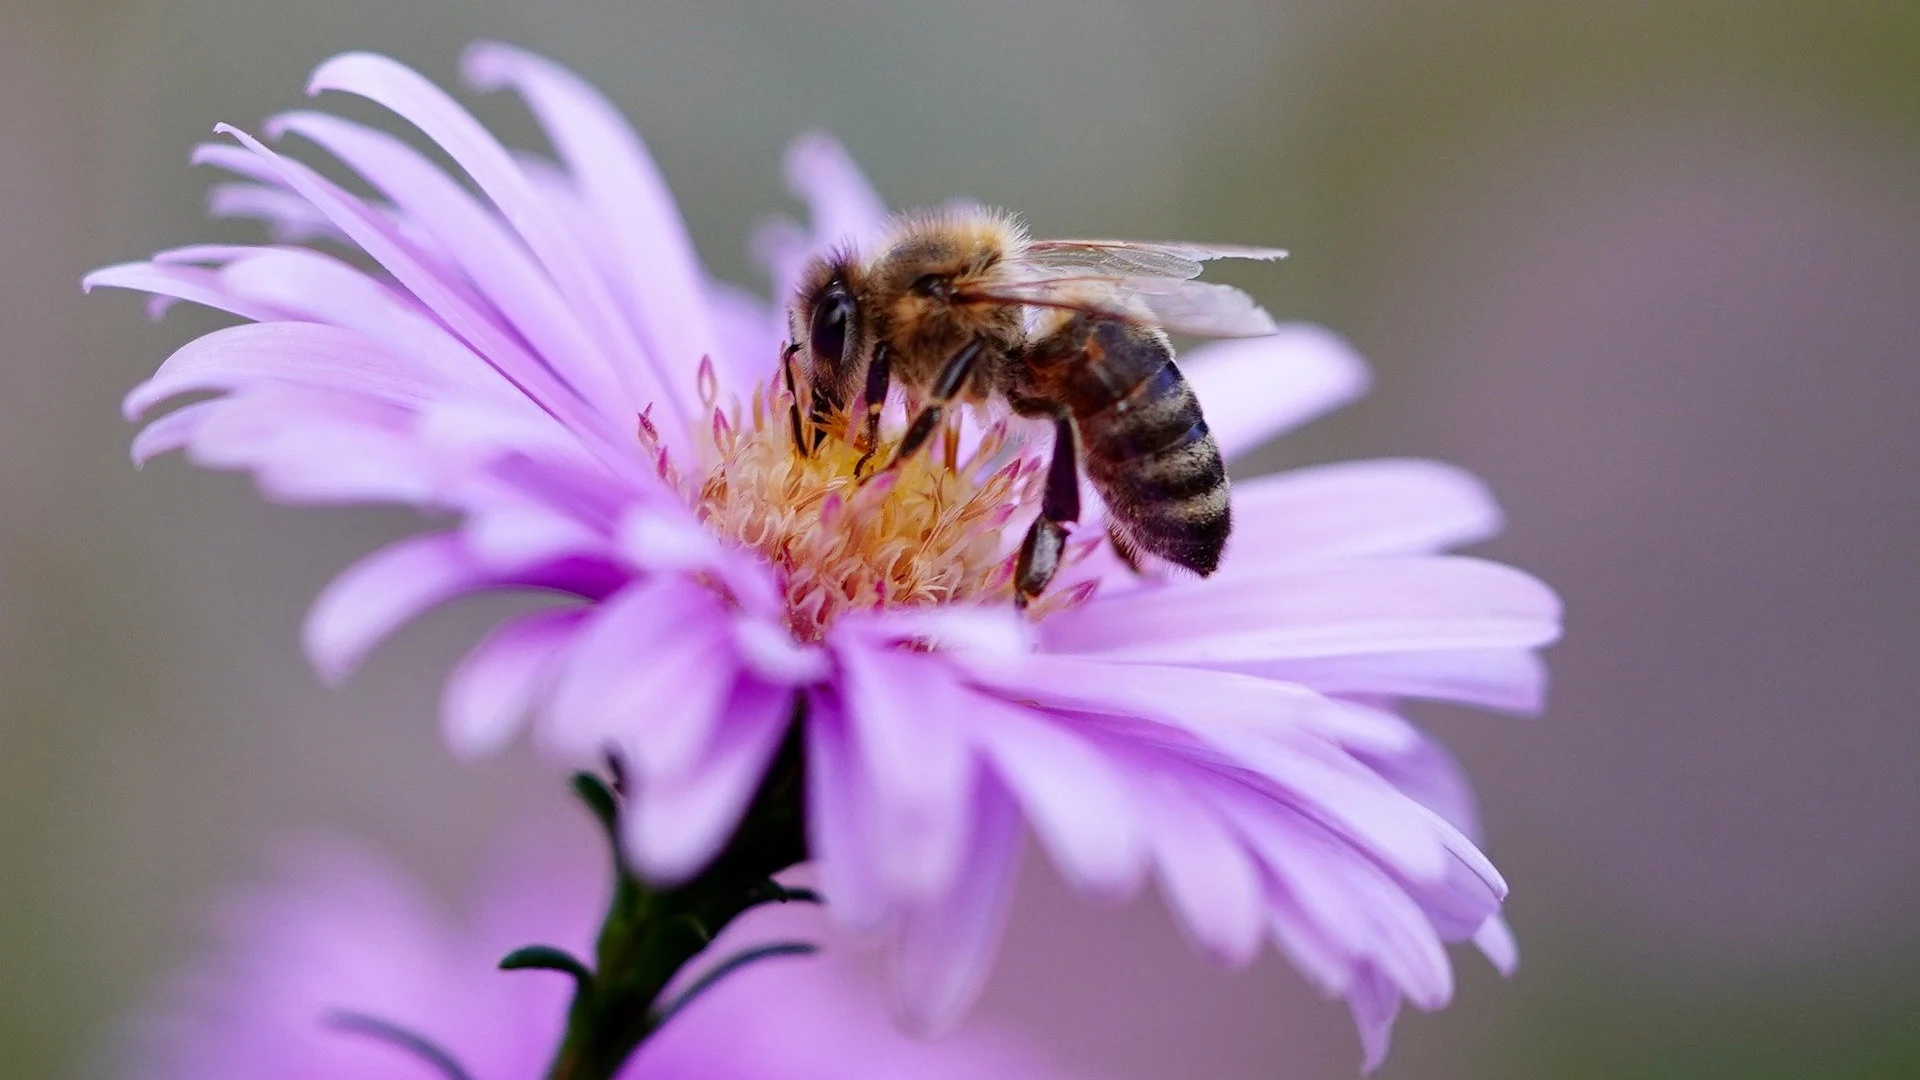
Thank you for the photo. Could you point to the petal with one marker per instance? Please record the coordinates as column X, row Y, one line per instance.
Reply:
column 1508, row 680
column 319, row 288
column 288, row 217
column 297, row 353
column 1428, row 773
column 908, row 721
column 1261, row 726
column 947, row 947
column 480, row 155
column 1340, row 608
column 317, row 446
column 480, row 245
column 193, row 284
column 842, row 202
column 1075, row 798
column 629, row 199
column 840, row 817
column 650, row 676
column 447, row 299
column 1357, row 904
column 1358, row 508
column 1253, row 389
column 1496, row 942
column 1375, row 1002
column 172, row 430
column 1211, row 883
column 681, row 821
column 382, row 592
column 490, row 692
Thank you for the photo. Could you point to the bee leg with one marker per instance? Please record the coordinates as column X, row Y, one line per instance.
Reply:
column 879, row 377
column 1059, row 506
column 945, row 389
column 801, row 441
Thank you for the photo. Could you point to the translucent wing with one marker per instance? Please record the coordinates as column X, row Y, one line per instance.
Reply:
column 1129, row 258
column 1188, row 307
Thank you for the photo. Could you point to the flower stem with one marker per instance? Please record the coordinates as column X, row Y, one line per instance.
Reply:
column 651, row 933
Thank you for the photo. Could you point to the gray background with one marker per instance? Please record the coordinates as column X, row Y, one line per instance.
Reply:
column 1652, row 269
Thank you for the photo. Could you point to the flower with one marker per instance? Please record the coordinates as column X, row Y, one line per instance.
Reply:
column 340, row 968
column 544, row 360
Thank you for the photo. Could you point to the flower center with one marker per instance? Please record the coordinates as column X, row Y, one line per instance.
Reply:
column 931, row 530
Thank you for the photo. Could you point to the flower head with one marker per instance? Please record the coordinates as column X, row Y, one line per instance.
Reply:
column 544, row 359
column 340, row 968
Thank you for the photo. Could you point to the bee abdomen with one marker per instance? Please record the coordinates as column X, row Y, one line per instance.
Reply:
column 1156, row 465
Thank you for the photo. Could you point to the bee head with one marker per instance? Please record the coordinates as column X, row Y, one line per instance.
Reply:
column 830, row 328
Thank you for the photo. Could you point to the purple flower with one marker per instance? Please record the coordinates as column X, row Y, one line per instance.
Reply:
column 545, row 362
column 325, row 972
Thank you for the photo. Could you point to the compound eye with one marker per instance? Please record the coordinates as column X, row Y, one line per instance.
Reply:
column 827, row 337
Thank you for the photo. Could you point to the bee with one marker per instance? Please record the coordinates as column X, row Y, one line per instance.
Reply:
column 960, row 306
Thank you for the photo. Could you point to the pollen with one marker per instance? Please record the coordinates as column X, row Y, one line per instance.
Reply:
column 843, row 538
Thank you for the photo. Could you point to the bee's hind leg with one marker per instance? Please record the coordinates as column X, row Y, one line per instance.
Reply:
column 1059, row 506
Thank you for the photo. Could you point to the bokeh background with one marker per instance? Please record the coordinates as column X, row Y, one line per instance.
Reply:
column 1653, row 269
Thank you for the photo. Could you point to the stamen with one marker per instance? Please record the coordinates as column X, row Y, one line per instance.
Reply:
column 931, row 530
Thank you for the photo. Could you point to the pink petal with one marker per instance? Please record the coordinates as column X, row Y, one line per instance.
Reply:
column 1496, row 942
column 446, row 299
column 320, row 288
column 172, row 430
column 1326, row 609
column 317, row 446
column 843, row 204
column 629, row 198
column 1375, row 1002
column 382, row 592
column 681, row 821
column 193, row 284
column 490, row 692
column 650, row 661
column 1357, row 508
column 1211, row 883
column 1356, row 903
column 1261, row 725
column 1073, row 796
column 305, row 354
column 288, row 217
column 1256, row 388
column 1509, row 680
column 908, row 721
column 947, row 947
column 482, row 247
column 475, row 150
column 840, row 819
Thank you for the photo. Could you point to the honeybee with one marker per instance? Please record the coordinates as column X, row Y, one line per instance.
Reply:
column 961, row 306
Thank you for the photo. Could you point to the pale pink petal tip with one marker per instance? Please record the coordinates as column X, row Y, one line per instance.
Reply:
column 1496, row 942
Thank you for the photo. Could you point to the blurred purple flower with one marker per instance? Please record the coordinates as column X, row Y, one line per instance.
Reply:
column 547, row 362
column 342, row 943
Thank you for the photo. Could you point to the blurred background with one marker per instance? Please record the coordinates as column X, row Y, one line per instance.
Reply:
column 1652, row 269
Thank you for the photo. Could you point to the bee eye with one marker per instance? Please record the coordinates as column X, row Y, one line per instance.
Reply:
column 827, row 337
column 932, row 285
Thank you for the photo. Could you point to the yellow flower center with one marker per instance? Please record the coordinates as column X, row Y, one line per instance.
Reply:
column 928, row 531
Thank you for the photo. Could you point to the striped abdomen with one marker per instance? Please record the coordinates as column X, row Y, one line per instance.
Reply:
column 1146, row 447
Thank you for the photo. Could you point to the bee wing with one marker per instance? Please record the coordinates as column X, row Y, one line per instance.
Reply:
column 1128, row 258
column 1188, row 307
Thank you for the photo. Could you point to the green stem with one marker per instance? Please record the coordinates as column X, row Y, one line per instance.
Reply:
column 651, row 933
